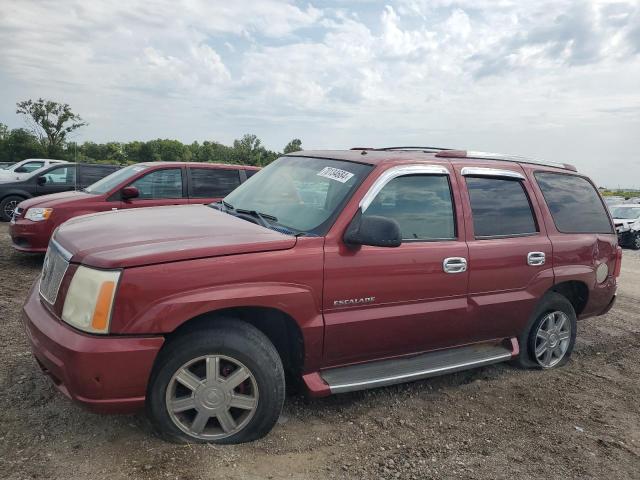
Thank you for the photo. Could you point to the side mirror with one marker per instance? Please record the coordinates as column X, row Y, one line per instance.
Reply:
column 130, row 192
column 21, row 170
column 41, row 180
column 374, row 231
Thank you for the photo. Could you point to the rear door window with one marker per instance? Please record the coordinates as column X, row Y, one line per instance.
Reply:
column 574, row 203
column 500, row 208
column 213, row 182
column 165, row 183
column 421, row 204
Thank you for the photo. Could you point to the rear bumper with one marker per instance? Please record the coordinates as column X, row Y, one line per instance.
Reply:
column 28, row 236
column 105, row 374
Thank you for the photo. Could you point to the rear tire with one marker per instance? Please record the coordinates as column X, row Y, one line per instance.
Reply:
column 8, row 205
column 237, row 385
column 550, row 336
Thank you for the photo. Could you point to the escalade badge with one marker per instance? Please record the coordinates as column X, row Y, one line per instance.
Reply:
column 353, row 301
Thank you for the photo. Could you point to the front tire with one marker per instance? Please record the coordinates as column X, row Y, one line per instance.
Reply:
column 550, row 336
column 635, row 241
column 8, row 205
column 224, row 384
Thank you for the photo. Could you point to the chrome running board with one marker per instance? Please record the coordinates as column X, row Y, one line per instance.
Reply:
column 406, row 369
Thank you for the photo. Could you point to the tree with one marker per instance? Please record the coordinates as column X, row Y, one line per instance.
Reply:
column 4, row 132
column 50, row 121
column 294, row 145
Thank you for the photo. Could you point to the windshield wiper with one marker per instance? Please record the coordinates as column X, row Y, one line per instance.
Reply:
column 263, row 217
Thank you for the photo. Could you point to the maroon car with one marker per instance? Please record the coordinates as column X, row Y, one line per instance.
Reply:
column 141, row 185
column 342, row 270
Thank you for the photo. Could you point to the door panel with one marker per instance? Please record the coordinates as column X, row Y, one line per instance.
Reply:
column 504, row 227
column 416, row 305
column 59, row 179
column 382, row 302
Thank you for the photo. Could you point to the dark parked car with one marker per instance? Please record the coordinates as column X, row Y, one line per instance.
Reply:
column 55, row 179
column 342, row 270
column 142, row 185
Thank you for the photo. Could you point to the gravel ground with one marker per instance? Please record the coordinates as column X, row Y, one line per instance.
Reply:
column 581, row 421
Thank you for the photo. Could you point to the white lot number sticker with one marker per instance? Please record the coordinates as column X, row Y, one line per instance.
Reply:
column 341, row 176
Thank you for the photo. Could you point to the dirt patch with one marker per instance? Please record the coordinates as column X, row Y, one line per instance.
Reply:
column 581, row 421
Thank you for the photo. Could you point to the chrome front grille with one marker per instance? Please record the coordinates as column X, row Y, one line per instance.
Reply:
column 55, row 266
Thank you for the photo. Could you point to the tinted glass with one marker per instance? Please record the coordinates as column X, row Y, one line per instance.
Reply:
column 574, row 203
column 213, row 182
column 500, row 207
column 304, row 194
column 421, row 204
column 165, row 183
column 90, row 174
column 113, row 180
column 61, row 176
column 32, row 166
column 251, row 173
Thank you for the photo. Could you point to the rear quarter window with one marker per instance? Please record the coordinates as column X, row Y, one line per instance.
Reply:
column 574, row 203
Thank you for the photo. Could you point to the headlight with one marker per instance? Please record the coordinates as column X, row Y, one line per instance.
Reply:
column 38, row 214
column 90, row 298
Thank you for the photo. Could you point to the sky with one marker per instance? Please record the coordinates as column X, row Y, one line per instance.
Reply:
column 555, row 80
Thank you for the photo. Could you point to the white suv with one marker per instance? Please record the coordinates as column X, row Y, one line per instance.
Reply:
column 21, row 170
column 626, row 218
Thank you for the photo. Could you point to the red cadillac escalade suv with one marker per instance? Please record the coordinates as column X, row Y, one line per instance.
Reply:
column 344, row 270
column 141, row 185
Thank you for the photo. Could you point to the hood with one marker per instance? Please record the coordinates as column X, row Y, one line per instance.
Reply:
column 55, row 199
column 145, row 236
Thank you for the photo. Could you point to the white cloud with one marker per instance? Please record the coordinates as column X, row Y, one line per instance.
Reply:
column 551, row 78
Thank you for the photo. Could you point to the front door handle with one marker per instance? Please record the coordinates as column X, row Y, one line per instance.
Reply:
column 454, row 265
column 536, row 258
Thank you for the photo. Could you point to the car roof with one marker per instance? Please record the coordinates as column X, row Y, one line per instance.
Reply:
column 421, row 154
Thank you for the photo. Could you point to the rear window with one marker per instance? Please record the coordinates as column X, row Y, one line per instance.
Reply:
column 500, row 208
column 574, row 203
column 213, row 182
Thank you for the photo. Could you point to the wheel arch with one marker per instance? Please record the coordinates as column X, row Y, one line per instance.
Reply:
column 576, row 291
column 279, row 327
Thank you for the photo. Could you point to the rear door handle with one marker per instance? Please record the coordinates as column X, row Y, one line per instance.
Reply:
column 536, row 258
column 454, row 265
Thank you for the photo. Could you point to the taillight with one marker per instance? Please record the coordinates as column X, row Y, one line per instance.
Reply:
column 618, row 267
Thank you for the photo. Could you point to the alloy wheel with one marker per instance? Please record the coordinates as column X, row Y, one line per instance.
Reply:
column 636, row 241
column 552, row 339
column 212, row 397
column 10, row 207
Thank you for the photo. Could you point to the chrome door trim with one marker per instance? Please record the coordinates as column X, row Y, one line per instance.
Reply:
column 535, row 259
column 491, row 172
column 454, row 265
column 395, row 172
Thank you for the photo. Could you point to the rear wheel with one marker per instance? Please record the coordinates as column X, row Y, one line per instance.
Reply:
column 221, row 385
column 8, row 205
column 548, row 340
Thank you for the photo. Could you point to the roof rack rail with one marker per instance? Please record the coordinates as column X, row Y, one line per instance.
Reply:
column 430, row 149
column 503, row 157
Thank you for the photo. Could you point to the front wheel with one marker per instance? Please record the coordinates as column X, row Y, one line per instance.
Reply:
column 221, row 385
column 635, row 241
column 548, row 340
column 8, row 206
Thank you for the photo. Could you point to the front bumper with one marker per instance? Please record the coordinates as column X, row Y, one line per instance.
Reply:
column 28, row 236
column 626, row 237
column 106, row 374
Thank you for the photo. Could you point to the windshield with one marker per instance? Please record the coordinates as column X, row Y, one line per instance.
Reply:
column 304, row 194
column 116, row 178
column 625, row 213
